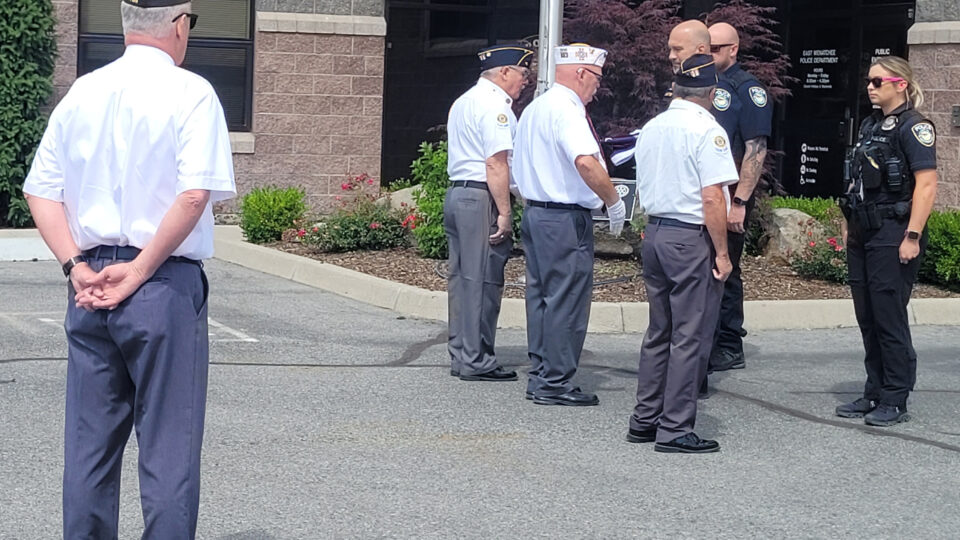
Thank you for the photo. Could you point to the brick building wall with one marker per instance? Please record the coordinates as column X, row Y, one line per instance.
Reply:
column 317, row 94
column 934, row 42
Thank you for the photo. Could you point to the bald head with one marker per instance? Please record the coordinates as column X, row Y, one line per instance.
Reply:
column 726, row 45
column 687, row 39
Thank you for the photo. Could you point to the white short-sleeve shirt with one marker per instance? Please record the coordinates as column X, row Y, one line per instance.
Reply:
column 124, row 142
column 480, row 125
column 552, row 133
column 680, row 152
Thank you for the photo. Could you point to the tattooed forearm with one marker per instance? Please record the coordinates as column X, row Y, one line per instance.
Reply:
column 755, row 152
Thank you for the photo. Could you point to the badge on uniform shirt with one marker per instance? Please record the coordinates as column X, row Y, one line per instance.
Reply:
column 720, row 144
column 721, row 100
column 923, row 131
column 502, row 120
column 889, row 123
column 758, row 95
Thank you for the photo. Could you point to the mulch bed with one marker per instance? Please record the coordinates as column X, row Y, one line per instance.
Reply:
column 615, row 280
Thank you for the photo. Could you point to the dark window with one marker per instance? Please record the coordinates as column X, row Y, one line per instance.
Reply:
column 220, row 49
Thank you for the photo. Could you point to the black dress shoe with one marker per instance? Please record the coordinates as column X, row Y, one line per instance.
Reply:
column 726, row 360
column 688, row 444
column 498, row 374
column 637, row 436
column 573, row 398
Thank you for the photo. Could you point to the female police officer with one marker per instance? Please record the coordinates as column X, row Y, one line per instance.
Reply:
column 889, row 196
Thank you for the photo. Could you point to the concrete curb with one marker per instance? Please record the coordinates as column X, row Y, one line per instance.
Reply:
column 605, row 317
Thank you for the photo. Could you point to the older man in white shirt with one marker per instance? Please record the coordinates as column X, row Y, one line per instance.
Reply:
column 121, row 190
column 560, row 172
column 476, row 211
column 683, row 163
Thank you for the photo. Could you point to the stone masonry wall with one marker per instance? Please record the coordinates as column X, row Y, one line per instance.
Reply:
column 938, row 72
column 65, row 68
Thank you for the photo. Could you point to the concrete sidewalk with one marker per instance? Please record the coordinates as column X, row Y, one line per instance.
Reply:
column 605, row 317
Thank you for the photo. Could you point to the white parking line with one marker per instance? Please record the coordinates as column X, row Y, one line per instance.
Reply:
column 240, row 336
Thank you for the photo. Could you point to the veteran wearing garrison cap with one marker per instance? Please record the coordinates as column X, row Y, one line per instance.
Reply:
column 560, row 172
column 683, row 165
column 476, row 212
column 121, row 190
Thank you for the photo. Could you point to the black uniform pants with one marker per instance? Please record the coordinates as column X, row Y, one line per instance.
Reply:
column 730, row 332
column 881, row 288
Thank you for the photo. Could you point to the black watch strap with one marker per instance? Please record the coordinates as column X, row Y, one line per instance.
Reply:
column 71, row 262
column 738, row 201
column 913, row 235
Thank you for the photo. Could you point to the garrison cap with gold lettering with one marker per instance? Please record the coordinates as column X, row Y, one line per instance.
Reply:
column 155, row 3
column 505, row 55
column 697, row 71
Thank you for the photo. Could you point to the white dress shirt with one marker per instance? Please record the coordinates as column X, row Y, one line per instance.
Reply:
column 680, row 152
column 480, row 125
column 124, row 142
column 552, row 133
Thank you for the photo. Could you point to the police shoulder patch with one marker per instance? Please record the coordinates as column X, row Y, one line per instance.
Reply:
column 758, row 95
column 721, row 100
column 924, row 133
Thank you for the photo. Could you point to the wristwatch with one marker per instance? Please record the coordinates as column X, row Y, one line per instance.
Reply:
column 739, row 202
column 71, row 262
column 913, row 235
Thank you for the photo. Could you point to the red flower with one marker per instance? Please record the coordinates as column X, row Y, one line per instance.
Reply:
column 809, row 233
column 812, row 244
column 315, row 229
column 301, row 233
column 403, row 204
column 838, row 248
column 374, row 225
column 370, row 181
column 345, row 186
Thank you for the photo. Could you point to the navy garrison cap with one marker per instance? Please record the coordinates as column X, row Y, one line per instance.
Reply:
column 503, row 55
column 697, row 71
column 155, row 3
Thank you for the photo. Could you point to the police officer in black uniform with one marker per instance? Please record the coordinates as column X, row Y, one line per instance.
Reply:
column 742, row 106
column 888, row 197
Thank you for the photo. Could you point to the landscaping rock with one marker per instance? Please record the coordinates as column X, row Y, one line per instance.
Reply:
column 792, row 231
column 402, row 199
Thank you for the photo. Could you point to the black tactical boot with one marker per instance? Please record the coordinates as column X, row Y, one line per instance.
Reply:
column 856, row 409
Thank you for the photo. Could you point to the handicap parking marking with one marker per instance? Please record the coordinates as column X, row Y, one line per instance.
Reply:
column 238, row 336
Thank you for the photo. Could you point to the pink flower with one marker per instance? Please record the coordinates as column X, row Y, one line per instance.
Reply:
column 337, row 197
column 370, row 181
column 403, row 204
column 345, row 186
column 838, row 248
column 301, row 233
column 315, row 229
column 812, row 244
column 374, row 225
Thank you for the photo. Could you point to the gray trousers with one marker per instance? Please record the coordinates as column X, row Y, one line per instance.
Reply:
column 559, row 250
column 475, row 282
column 684, row 302
column 142, row 365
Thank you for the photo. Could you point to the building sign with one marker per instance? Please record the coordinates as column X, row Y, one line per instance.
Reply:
column 811, row 157
column 819, row 67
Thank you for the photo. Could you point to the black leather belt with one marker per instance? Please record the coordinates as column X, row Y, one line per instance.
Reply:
column 558, row 206
column 125, row 253
column 470, row 184
column 670, row 222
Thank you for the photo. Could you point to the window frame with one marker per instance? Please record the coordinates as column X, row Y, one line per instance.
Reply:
column 248, row 45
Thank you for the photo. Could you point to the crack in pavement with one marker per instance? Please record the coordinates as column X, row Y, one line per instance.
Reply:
column 416, row 350
column 863, row 428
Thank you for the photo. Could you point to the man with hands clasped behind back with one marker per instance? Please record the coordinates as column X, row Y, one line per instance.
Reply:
column 121, row 190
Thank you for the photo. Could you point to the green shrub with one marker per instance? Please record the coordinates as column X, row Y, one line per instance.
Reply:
column 429, row 171
column 822, row 260
column 820, row 209
column 941, row 262
column 27, row 56
column 268, row 211
column 371, row 227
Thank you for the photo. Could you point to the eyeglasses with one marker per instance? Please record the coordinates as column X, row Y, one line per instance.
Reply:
column 522, row 71
column 594, row 73
column 876, row 82
column 719, row 46
column 192, row 16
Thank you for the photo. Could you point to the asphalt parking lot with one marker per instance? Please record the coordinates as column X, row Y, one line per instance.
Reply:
column 328, row 418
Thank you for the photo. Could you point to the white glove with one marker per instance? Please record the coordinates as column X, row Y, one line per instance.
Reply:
column 618, row 214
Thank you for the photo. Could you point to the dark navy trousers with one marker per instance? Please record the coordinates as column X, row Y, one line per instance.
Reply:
column 141, row 366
